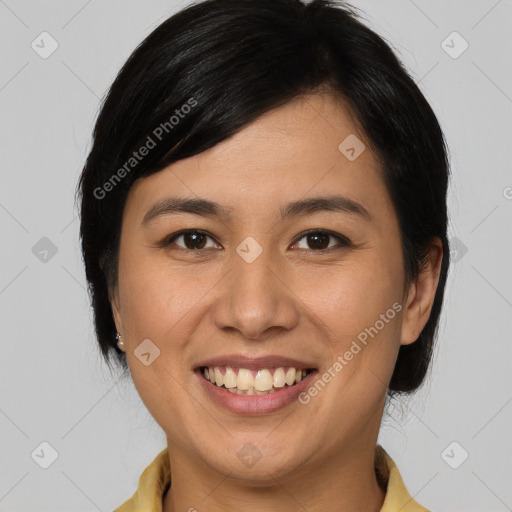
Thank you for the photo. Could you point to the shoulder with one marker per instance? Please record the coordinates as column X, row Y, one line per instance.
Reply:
column 397, row 496
column 153, row 483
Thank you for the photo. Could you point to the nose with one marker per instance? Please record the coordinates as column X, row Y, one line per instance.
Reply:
column 255, row 300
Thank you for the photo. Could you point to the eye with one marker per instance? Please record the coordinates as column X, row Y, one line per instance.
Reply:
column 315, row 240
column 319, row 240
column 193, row 239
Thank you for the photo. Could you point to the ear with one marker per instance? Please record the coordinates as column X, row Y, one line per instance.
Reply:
column 421, row 294
column 116, row 309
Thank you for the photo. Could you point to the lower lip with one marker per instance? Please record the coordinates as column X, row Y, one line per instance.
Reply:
column 254, row 404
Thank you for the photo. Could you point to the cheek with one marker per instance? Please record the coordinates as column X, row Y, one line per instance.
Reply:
column 360, row 307
column 349, row 299
column 163, row 306
column 157, row 299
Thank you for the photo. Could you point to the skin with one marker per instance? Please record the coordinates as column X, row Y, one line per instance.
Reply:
column 292, row 300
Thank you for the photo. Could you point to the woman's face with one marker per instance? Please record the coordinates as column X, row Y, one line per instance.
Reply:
column 254, row 291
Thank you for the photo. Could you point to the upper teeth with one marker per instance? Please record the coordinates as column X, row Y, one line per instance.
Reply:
column 250, row 382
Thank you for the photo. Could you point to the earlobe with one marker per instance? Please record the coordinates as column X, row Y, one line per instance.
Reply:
column 421, row 295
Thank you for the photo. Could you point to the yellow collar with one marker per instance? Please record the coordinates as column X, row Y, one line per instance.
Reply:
column 156, row 478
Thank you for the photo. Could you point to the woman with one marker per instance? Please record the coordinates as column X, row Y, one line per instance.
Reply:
column 263, row 223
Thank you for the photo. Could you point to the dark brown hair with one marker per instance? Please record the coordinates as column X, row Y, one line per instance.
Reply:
column 230, row 61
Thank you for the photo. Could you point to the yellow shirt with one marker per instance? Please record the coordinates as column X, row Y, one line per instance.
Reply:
column 156, row 478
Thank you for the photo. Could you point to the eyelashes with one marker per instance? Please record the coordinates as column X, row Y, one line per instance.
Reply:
column 322, row 235
column 198, row 241
column 196, row 235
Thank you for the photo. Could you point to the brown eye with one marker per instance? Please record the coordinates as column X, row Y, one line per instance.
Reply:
column 315, row 241
column 191, row 240
column 321, row 241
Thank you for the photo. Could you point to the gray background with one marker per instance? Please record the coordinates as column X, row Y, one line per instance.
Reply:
column 54, row 385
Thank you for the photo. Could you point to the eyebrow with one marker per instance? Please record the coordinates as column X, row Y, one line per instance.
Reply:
column 207, row 208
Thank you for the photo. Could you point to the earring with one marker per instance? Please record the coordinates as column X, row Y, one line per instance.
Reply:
column 120, row 342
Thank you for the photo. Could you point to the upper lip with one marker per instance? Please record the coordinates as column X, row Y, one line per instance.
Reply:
column 254, row 363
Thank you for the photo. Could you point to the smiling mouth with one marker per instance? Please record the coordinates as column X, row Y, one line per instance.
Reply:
column 243, row 381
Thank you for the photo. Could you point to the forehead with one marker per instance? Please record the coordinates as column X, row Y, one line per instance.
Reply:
column 288, row 153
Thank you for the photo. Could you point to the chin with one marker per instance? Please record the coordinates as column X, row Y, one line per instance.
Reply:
column 260, row 466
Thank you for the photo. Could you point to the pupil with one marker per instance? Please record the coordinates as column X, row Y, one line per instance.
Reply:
column 321, row 236
column 195, row 237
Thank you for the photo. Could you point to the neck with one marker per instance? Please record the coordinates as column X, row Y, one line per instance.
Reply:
column 347, row 479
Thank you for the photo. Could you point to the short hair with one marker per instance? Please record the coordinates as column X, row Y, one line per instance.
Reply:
column 214, row 67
